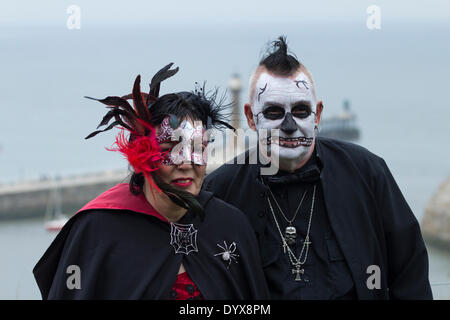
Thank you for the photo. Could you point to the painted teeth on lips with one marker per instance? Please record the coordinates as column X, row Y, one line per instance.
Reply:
column 290, row 142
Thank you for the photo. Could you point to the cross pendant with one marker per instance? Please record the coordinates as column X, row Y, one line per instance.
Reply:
column 307, row 242
column 297, row 272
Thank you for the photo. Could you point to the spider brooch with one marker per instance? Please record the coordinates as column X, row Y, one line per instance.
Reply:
column 228, row 254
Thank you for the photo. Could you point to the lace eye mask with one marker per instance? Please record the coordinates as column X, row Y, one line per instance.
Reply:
column 191, row 143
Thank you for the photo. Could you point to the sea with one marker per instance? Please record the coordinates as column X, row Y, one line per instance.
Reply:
column 396, row 79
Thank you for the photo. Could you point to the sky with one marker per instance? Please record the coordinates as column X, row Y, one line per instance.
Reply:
column 64, row 58
column 217, row 12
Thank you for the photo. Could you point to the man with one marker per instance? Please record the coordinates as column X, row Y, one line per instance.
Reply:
column 332, row 222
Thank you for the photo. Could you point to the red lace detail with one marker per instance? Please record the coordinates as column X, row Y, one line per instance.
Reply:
column 184, row 288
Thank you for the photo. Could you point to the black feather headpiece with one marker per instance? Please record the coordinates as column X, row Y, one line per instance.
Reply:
column 141, row 149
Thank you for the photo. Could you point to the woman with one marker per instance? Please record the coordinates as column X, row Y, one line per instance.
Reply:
column 160, row 236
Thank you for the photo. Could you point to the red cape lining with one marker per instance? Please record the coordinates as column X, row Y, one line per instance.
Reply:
column 119, row 197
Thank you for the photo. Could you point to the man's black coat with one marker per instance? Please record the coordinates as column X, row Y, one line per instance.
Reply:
column 371, row 220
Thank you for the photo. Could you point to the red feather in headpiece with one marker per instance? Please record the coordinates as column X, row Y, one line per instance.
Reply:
column 141, row 148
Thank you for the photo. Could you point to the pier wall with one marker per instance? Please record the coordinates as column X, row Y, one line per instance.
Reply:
column 31, row 200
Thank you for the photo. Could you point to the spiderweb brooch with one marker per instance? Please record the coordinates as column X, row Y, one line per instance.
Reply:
column 183, row 238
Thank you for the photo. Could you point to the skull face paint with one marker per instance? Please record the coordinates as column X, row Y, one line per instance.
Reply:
column 288, row 105
column 190, row 139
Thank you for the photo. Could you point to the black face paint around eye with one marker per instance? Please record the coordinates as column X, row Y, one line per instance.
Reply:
column 301, row 111
column 273, row 113
column 262, row 90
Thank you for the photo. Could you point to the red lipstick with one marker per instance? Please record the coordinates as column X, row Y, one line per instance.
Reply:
column 182, row 182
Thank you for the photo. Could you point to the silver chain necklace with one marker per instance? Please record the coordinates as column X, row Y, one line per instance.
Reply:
column 290, row 233
column 297, row 263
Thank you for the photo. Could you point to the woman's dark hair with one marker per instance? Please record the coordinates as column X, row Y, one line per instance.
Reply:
column 195, row 106
column 150, row 109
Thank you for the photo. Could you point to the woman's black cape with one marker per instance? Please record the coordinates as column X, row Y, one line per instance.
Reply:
column 119, row 247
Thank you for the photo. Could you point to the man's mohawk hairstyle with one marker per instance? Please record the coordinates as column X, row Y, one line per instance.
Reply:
column 277, row 59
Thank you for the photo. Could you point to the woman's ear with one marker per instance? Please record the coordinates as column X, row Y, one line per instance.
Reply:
column 249, row 115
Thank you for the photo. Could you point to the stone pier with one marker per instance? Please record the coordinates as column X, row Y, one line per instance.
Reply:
column 33, row 199
column 436, row 220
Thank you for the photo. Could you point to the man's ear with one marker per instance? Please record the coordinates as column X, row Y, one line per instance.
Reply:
column 319, row 108
column 249, row 115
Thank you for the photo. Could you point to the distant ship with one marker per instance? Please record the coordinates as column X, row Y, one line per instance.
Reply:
column 340, row 126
